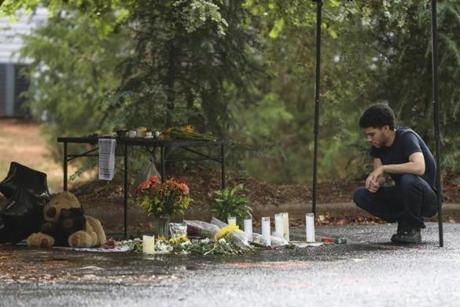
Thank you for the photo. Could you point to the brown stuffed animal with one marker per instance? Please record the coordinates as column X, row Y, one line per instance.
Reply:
column 65, row 224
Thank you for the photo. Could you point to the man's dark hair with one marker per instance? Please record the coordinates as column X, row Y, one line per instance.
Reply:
column 377, row 116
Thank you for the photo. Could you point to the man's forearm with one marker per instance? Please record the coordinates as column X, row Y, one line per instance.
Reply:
column 404, row 168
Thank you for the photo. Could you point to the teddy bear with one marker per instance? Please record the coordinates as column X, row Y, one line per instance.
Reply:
column 66, row 225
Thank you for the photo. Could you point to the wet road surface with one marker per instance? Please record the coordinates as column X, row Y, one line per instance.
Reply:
column 367, row 271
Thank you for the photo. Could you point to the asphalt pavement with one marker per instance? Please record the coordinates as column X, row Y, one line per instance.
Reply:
column 367, row 271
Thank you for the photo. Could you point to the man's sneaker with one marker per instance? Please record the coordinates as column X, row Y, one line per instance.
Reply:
column 407, row 234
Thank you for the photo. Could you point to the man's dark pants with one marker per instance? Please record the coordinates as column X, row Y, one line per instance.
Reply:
column 408, row 201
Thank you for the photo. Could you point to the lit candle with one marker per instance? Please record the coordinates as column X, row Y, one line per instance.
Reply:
column 286, row 226
column 231, row 220
column 310, row 227
column 266, row 230
column 248, row 228
column 148, row 244
column 279, row 225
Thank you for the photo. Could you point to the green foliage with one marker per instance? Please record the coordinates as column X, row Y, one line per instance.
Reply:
column 231, row 201
column 246, row 70
column 188, row 53
column 402, row 35
column 72, row 72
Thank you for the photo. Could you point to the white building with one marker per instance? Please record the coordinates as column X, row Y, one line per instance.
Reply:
column 12, row 84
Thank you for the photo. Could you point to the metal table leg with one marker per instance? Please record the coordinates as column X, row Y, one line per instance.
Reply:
column 65, row 166
column 125, row 191
column 162, row 163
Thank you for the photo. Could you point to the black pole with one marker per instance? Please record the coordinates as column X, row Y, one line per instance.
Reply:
column 222, row 166
column 64, row 166
column 319, row 4
column 125, row 192
column 437, row 134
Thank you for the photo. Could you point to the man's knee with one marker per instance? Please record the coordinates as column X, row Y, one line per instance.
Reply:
column 408, row 181
column 360, row 196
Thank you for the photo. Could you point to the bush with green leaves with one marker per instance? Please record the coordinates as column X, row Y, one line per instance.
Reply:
column 231, row 201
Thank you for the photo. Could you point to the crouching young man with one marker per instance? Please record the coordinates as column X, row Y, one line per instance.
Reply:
column 403, row 155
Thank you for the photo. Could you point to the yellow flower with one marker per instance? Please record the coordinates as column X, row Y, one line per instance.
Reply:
column 188, row 129
column 225, row 231
column 178, row 240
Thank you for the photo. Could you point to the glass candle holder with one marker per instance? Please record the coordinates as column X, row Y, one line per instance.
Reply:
column 286, row 226
column 248, row 229
column 310, row 227
column 148, row 244
column 231, row 220
column 266, row 230
column 279, row 225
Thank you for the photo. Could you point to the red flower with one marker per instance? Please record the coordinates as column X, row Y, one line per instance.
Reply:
column 184, row 188
column 154, row 180
column 144, row 185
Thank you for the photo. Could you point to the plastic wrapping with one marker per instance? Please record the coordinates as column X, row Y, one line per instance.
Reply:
column 146, row 172
column 201, row 229
column 275, row 241
column 26, row 192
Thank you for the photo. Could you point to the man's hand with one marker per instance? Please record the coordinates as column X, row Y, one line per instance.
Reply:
column 374, row 179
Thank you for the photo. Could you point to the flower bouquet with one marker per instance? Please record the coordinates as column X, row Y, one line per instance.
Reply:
column 163, row 200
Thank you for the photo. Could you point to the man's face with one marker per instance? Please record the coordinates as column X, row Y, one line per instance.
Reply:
column 376, row 136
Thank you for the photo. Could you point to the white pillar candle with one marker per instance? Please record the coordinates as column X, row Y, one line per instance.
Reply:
column 279, row 225
column 310, row 227
column 148, row 244
column 231, row 220
column 286, row 226
column 248, row 229
column 266, row 231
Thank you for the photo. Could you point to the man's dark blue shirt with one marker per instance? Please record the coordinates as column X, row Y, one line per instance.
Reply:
column 406, row 142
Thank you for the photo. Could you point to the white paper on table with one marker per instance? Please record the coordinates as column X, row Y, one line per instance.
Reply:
column 106, row 158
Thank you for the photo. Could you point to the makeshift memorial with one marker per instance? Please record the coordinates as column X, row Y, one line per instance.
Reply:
column 163, row 200
column 310, row 227
column 182, row 245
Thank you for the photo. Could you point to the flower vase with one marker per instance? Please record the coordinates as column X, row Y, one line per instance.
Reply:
column 161, row 225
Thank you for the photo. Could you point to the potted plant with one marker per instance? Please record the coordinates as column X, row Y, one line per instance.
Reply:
column 162, row 200
column 231, row 202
